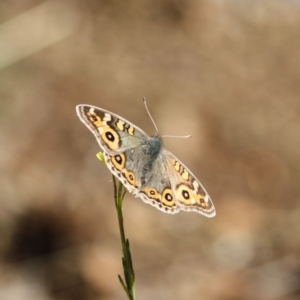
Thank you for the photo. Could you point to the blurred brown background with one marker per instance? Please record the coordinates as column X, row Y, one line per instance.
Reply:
column 226, row 72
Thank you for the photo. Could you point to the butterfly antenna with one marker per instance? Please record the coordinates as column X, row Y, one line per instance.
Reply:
column 177, row 136
column 145, row 103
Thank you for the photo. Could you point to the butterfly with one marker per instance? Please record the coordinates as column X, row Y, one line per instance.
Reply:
column 141, row 163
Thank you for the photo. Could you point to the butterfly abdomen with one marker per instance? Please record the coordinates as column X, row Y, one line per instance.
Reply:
column 151, row 150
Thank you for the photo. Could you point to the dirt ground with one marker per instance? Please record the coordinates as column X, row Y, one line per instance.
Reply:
column 226, row 72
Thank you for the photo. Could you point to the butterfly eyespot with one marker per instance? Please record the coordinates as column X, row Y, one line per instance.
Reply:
column 152, row 193
column 94, row 118
column 185, row 194
column 130, row 177
column 110, row 136
column 118, row 159
column 167, row 198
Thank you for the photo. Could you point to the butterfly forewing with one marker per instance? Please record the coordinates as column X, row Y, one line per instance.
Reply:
column 113, row 133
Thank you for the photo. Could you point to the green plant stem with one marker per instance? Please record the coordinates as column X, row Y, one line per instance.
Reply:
column 128, row 285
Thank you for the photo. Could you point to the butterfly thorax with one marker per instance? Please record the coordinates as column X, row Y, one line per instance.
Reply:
column 151, row 149
column 153, row 146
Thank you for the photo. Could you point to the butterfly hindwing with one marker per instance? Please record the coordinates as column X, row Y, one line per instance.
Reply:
column 128, row 166
column 157, row 191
